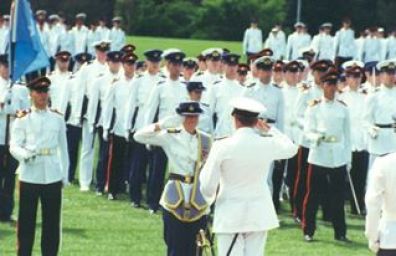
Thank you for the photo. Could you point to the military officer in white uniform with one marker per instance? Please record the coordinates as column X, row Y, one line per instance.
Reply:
column 163, row 100
column 38, row 142
column 95, row 116
column 355, row 99
column 220, row 95
column 115, row 98
column 134, row 120
column 187, row 148
column 306, row 96
column 195, row 90
column 276, row 41
column 328, row 130
column 89, row 73
column 12, row 99
column 344, row 43
column 4, row 33
column 371, row 49
column 234, row 179
column 296, row 41
column 380, row 113
column 252, row 39
column 80, row 34
column 325, row 47
column 380, row 197
column 117, row 35
column 59, row 92
column 74, row 122
column 212, row 73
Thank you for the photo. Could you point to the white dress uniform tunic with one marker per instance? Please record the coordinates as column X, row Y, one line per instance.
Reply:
column 371, row 49
column 344, row 43
column 103, row 32
column 277, row 43
column 4, row 39
column 59, row 90
column 391, row 48
column 117, row 38
column 80, row 39
column 66, row 42
column 142, row 86
column 295, row 42
column 381, row 110
column 381, row 207
column 220, row 96
column 208, row 79
column 271, row 97
column 54, row 37
column 239, row 166
column 41, row 133
column 325, row 47
column 89, row 73
column 290, row 95
column 252, row 40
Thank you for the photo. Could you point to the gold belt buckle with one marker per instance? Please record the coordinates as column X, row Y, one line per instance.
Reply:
column 188, row 179
column 45, row 151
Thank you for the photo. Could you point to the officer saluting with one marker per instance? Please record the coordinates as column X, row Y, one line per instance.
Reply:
column 187, row 148
column 239, row 166
column 38, row 142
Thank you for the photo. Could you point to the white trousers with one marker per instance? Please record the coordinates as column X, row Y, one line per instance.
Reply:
column 247, row 244
column 87, row 156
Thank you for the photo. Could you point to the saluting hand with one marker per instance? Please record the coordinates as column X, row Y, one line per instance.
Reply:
column 262, row 126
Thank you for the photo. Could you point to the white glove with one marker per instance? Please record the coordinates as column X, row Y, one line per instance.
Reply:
column 31, row 155
column 65, row 182
column 105, row 135
column 148, row 147
column 373, row 132
column 170, row 121
column 91, row 128
column 374, row 246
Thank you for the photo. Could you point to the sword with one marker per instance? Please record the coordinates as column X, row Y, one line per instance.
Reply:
column 353, row 192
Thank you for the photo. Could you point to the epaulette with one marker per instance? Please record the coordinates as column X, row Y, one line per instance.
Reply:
column 139, row 76
column 173, row 130
column 216, row 82
column 303, row 86
column 343, row 103
column 265, row 135
column 162, row 75
column 251, row 85
column 314, row 102
column 205, row 104
column 160, row 82
column 114, row 80
column 56, row 111
column 277, row 86
column 22, row 113
column 384, row 154
column 199, row 73
column 222, row 138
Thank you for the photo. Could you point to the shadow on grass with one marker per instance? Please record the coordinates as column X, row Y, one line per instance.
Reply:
column 75, row 231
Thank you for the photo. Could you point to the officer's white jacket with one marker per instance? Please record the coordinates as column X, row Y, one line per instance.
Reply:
column 359, row 43
column 356, row 102
column 329, row 119
column 295, row 42
column 38, row 131
column 142, row 85
column 80, row 39
column 92, row 37
column 207, row 79
column 59, row 90
column 238, row 166
column 391, row 48
column 54, row 38
column 97, row 95
column 44, row 38
column 380, row 203
column 304, row 98
column 165, row 97
column 371, row 49
column 181, row 148
column 115, row 98
column 325, row 47
column 104, row 33
column 11, row 100
column 66, row 42
column 381, row 109
column 117, row 37
column 344, row 43
column 220, row 95
column 277, row 43
column 290, row 94
column 75, row 99
column 252, row 40
column 272, row 98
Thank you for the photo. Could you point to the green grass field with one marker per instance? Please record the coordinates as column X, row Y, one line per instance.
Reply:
column 94, row 226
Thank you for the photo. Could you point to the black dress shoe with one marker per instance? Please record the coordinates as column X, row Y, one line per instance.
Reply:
column 343, row 239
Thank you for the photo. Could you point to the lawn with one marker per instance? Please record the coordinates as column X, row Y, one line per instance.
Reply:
column 94, row 226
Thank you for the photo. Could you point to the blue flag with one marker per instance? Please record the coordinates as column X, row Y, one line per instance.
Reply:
column 26, row 50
